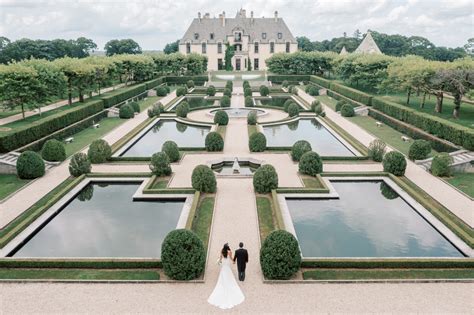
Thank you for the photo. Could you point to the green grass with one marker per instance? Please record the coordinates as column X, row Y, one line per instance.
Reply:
column 9, row 183
column 85, row 137
column 464, row 182
column 368, row 274
column 203, row 219
column 265, row 216
column 466, row 114
column 79, row 274
column 8, row 112
column 329, row 101
column 150, row 100
column 312, row 182
column 160, row 183
column 385, row 133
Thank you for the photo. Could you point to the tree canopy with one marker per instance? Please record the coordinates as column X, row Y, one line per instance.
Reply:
column 122, row 46
column 171, row 47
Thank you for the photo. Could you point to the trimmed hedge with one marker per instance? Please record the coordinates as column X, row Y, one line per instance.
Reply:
column 183, row 255
column 252, row 118
column 440, row 165
column 347, row 111
column 248, row 101
column 211, row 90
column 53, row 151
column 247, row 92
column 265, row 179
column 227, row 92
column 214, row 142
column 276, row 78
column 203, row 179
column 419, row 150
column 321, row 81
column 181, row 91
column 388, row 263
column 179, row 80
column 394, row 162
column 280, row 255
column 161, row 91
column 293, row 110
column 264, row 91
column 190, row 84
column 99, row 151
column 299, row 148
column 182, row 109
column 257, row 142
column 79, row 165
column 310, row 164
column 171, row 149
column 351, row 93
column 135, row 106
column 221, row 118
column 225, row 101
column 160, row 164
column 80, row 263
column 113, row 98
column 126, row 111
column 376, row 150
column 30, row 165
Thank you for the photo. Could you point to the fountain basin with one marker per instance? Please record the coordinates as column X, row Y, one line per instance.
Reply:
column 238, row 112
column 232, row 166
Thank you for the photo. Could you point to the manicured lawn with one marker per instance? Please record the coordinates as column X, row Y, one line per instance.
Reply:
column 265, row 216
column 8, row 112
column 202, row 223
column 150, row 100
column 10, row 183
column 464, row 182
column 312, row 182
column 366, row 274
column 80, row 274
column 85, row 137
column 385, row 133
column 329, row 101
column 160, row 183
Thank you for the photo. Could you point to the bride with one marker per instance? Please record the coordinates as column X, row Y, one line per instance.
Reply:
column 227, row 293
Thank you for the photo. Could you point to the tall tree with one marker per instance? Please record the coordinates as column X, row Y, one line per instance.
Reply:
column 171, row 47
column 122, row 46
column 304, row 44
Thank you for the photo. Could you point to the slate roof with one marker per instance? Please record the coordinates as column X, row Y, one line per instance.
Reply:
column 205, row 26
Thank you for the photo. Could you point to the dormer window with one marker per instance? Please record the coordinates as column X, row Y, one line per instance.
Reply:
column 264, row 35
column 280, row 35
column 238, row 37
column 211, row 36
column 196, row 36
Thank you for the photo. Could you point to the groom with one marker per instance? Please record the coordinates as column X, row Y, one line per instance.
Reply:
column 242, row 257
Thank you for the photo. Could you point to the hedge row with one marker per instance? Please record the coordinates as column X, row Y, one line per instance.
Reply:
column 118, row 96
column 351, row 93
column 437, row 126
column 323, row 82
column 278, row 79
column 80, row 263
column 198, row 79
column 154, row 83
column 340, row 97
column 389, row 263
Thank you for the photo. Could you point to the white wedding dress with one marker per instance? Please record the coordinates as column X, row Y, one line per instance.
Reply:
column 227, row 293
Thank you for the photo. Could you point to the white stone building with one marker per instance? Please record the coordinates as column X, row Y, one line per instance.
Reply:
column 254, row 39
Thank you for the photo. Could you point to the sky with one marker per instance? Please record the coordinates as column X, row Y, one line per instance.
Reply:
column 153, row 23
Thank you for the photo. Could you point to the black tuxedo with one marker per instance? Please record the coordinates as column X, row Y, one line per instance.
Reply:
column 242, row 257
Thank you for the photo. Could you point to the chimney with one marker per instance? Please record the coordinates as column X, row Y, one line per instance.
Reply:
column 251, row 16
column 199, row 16
column 276, row 16
column 222, row 17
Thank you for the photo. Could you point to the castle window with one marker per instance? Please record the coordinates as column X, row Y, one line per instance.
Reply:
column 188, row 48
column 256, row 48
column 287, row 47
column 204, row 48
column 211, row 36
column 272, row 47
column 264, row 35
column 219, row 48
column 196, row 35
column 238, row 37
column 280, row 35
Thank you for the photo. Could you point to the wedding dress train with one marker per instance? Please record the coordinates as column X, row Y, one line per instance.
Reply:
column 227, row 293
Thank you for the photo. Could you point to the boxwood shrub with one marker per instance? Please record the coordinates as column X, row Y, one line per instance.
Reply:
column 221, row 118
column 310, row 164
column 252, row 117
column 246, row 84
column 440, row 166
column 203, row 179
column 376, row 150
column 229, row 85
column 299, row 148
column 99, row 151
column 214, row 142
column 161, row 90
column 315, row 104
column 183, row 255
column 225, row 101
column 171, row 149
column 79, row 165
column 419, row 150
column 313, row 91
column 347, row 110
column 280, row 255
column 247, row 91
column 394, row 162
column 211, row 90
column 181, row 91
column 265, row 179
column 30, row 165
column 126, row 111
column 248, row 101
column 155, row 110
column 190, row 84
column 339, row 105
column 264, row 91
column 293, row 110
column 160, row 164
column 135, row 106
column 182, row 109
column 257, row 142
column 287, row 104
column 284, row 83
column 53, row 151
column 227, row 92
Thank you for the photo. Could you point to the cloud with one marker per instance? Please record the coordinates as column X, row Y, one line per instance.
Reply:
column 153, row 23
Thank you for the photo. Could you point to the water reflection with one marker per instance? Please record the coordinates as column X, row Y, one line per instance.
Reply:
column 388, row 191
column 86, row 193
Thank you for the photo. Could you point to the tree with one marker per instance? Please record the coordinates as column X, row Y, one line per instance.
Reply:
column 79, row 74
column 469, row 47
column 122, row 46
column 229, row 53
column 83, row 47
column 304, row 44
column 357, row 34
column 171, row 47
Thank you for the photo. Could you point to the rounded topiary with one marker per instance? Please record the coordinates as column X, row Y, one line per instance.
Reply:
column 53, row 151
column 376, row 150
column 211, row 90
column 257, row 142
column 313, row 91
column 247, row 91
column 181, row 91
column 347, row 111
column 264, row 90
column 293, row 90
column 246, row 84
column 394, row 162
column 315, row 104
column 339, row 105
column 214, row 142
column 227, row 92
column 229, row 85
column 126, row 111
column 135, row 106
column 284, row 83
column 280, row 255
column 182, row 109
column 161, row 90
column 299, row 148
column 252, row 117
column 225, row 101
column 287, row 104
column 265, row 179
column 160, row 164
column 190, row 84
column 440, row 166
column 79, row 165
column 155, row 110
column 248, row 101
column 203, row 179
column 172, row 150
column 30, row 165
column 310, row 164
column 182, row 255
column 293, row 110
column 419, row 150
column 99, row 151
column 221, row 118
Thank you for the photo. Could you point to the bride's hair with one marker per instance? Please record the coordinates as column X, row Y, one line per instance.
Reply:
column 225, row 250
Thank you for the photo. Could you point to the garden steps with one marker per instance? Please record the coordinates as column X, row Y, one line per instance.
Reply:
column 460, row 158
column 8, row 162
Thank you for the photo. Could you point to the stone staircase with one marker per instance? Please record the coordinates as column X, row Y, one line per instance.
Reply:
column 461, row 160
column 8, row 163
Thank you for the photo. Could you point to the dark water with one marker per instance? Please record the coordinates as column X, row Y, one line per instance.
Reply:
column 103, row 221
column 228, row 170
column 369, row 220
column 164, row 130
column 321, row 140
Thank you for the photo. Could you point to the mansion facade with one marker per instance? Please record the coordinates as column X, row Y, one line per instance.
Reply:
column 254, row 40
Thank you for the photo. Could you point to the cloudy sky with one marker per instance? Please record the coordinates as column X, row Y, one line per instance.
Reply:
column 153, row 23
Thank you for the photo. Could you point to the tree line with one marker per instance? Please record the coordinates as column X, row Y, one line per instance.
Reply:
column 382, row 73
column 392, row 45
column 34, row 83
